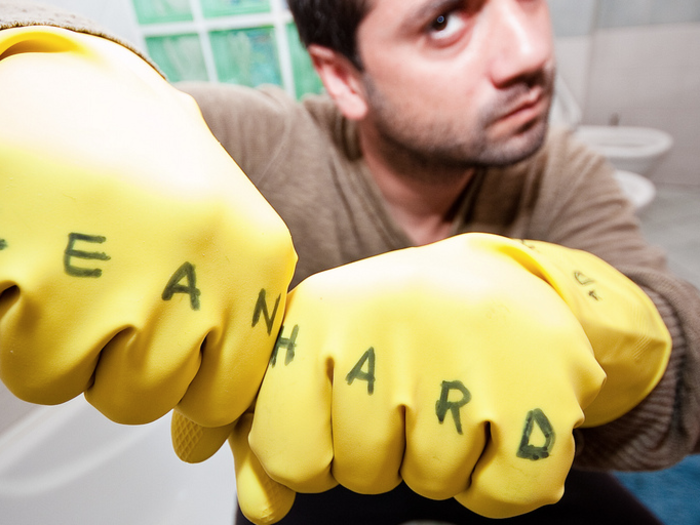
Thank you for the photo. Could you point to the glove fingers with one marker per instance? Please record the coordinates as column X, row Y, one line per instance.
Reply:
column 76, row 298
column 135, row 366
column 440, row 456
column 211, row 371
column 236, row 355
column 194, row 443
column 261, row 499
column 291, row 433
column 535, row 463
column 368, row 429
column 27, row 330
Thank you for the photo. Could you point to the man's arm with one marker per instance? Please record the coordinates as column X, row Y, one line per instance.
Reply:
column 584, row 208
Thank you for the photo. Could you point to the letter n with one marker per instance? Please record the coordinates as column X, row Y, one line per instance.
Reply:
column 186, row 271
column 261, row 308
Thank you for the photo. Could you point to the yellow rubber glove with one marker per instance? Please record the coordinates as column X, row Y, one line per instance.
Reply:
column 138, row 265
column 461, row 367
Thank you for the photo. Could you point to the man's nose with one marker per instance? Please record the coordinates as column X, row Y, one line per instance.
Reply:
column 521, row 38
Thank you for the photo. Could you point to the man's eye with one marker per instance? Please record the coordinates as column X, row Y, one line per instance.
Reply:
column 446, row 26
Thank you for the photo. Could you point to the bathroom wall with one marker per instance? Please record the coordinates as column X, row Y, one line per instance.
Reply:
column 635, row 62
column 11, row 409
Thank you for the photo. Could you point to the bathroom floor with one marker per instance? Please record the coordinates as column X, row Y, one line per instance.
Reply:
column 672, row 221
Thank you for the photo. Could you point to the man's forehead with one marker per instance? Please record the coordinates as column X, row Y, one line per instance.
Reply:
column 411, row 9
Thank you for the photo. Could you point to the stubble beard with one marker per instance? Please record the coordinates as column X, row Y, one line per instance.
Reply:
column 433, row 149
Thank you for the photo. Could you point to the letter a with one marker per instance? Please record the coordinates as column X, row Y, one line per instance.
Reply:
column 529, row 451
column 358, row 373
column 443, row 405
column 173, row 286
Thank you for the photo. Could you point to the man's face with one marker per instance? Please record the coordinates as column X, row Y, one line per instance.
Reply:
column 458, row 82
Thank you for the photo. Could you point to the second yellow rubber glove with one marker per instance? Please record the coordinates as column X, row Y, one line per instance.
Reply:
column 461, row 368
column 138, row 264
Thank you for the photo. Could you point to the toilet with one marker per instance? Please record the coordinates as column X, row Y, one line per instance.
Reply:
column 633, row 151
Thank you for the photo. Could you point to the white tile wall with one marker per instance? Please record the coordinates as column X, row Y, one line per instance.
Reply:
column 573, row 63
column 650, row 76
column 674, row 11
column 619, row 13
column 671, row 222
column 572, row 18
column 12, row 409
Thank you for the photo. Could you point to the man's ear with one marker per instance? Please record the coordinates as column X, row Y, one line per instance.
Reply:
column 341, row 79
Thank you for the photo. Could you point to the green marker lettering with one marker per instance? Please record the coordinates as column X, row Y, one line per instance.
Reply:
column 443, row 405
column 71, row 252
column 357, row 372
column 261, row 308
column 186, row 271
column 530, row 451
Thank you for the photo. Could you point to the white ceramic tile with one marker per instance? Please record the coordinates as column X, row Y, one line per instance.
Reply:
column 671, row 45
column 674, row 11
column 657, row 86
column 572, row 18
column 609, row 93
column 690, row 83
column 621, row 13
column 672, row 221
column 677, row 44
column 12, row 409
column 686, row 131
column 573, row 63
column 614, row 47
column 679, row 168
column 689, row 42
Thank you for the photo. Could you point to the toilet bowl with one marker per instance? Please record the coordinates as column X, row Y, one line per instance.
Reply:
column 634, row 152
column 632, row 149
column 639, row 190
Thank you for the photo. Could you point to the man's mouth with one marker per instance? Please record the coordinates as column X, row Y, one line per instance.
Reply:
column 526, row 108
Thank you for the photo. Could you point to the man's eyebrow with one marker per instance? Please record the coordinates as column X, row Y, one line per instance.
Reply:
column 428, row 9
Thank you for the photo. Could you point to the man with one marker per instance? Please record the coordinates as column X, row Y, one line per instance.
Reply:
column 439, row 103
column 438, row 127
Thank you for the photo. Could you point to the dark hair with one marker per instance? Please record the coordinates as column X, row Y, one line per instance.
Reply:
column 330, row 23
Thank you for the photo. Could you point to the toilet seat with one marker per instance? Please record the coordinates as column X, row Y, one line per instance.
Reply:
column 634, row 149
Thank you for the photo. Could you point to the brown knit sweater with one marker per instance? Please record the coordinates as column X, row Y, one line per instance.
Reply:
column 305, row 159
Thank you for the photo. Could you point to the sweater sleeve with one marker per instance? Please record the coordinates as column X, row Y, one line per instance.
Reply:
column 589, row 212
column 252, row 125
column 25, row 13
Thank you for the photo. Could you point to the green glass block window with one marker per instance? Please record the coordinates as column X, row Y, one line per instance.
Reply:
column 246, row 56
column 162, row 11
column 215, row 8
column 305, row 78
column 179, row 56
